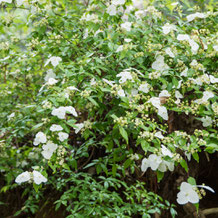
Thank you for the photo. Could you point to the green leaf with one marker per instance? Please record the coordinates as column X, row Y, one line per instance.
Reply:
column 127, row 163
column 196, row 156
column 123, row 133
column 160, row 176
column 184, row 165
column 191, row 181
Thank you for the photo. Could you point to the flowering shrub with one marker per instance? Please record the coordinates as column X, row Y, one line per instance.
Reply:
column 102, row 100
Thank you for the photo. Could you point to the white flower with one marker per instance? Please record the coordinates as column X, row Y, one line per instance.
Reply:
column 159, row 135
column 120, row 48
column 140, row 14
column 191, row 17
column 54, row 61
column 48, row 149
column 169, row 52
column 59, row 112
column 39, row 138
column 38, row 178
column 167, row 28
column 118, row 2
column 194, row 46
column 127, row 40
column 159, row 64
column 207, row 121
column 19, row 2
column 63, row 136
column 164, row 93
column 182, row 37
column 125, row 75
column 71, row 110
column 192, row 43
column 178, row 94
column 121, row 93
column 111, row 10
column 78, row 127
column 126, row 26
column 165, row 151
column 145, row 165
column 207, row 95
column 108, row 82
column 213, row 79
column 162, row 111
column 51, row 81
column 55, row 127
column 154, row 161
column 187, row 194
column 23, row 177
column 144, row 87
column 72, row 88
column 155, row 101
column 50, row 74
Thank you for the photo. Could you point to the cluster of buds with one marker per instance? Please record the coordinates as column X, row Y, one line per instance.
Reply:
column 199, row 132
column 177, row 157
column 154, row 75
column 138, row 122
column 122, row 121
column 85, row 93
column 146, row 134
column 139, row 54
column 34, row 43
column 60, row 155
column 87, row 124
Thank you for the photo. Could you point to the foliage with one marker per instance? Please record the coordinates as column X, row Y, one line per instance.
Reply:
column 130, row 84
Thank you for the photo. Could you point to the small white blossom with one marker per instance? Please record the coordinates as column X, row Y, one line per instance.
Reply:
column 213, row 79
column 167, row 28
column 120, row 48
column 165, row 151
column 187, row 194
column 59, row 112
column 38, row 178
column 51, row 81
column 78, row 127
column 50, row 74
column 164, row 93
column 63, row 136
column 169, row 52
column 159, row 64
column 126, row 26
column 191, row 17
column 207, row 121
column 40, row 138
column 55, row 127
column 54, row 61
column 159, row 135
column 162, row 112
column 23, row 177
column 144, row 87
column 125, row 75
column 121, row 93
column 48, row 149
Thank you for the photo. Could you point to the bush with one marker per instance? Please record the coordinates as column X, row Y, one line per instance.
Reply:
column 102, row 102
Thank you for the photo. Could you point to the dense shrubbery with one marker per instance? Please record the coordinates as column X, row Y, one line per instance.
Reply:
column 101, row 101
